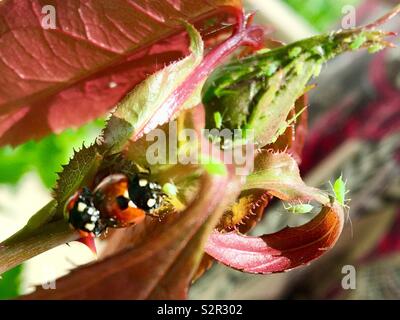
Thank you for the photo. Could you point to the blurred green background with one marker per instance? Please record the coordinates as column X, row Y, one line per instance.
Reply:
column 321, row 14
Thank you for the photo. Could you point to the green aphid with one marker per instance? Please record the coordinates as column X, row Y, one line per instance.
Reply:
column 220, row 92
column 347, row 40
column 318, row 50
column 263, row 50
column 270, row 68
column 294, row 52
column 170, row 189
column 212, row 165
column 300, row 208
column 339, row 189
column 317, row 70
column 298, row 67
column 358, row 42
column 218, row 119
column 287, row 124
column 375, row 48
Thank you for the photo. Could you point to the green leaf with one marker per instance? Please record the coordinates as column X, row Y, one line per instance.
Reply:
column 268, row 119
column 278, row 174
column 259, row 91
column 135, row 114
column 10, row 283
column 78, row 173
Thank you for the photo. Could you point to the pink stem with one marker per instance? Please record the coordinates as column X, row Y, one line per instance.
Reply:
column 243, row 35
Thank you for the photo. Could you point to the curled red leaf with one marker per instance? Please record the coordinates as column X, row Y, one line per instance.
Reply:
column 280, row 251
column 278, row 174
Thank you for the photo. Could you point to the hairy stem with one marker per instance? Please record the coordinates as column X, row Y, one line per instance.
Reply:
column 25, row 245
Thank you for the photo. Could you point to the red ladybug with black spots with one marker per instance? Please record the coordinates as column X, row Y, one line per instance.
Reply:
column 117, row 201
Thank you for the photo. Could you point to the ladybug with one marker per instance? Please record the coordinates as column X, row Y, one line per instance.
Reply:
column 83, row 215
column 117, row 201
column 125, row 201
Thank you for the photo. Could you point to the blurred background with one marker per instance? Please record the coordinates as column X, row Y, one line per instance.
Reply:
column 354, row 131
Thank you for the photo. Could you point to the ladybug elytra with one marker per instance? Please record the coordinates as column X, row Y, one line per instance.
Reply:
column 117, row 201
column 83, row 215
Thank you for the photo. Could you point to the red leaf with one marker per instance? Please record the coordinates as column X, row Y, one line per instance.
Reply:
column 278, row 174
column 54, row 79
column 281, row 251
